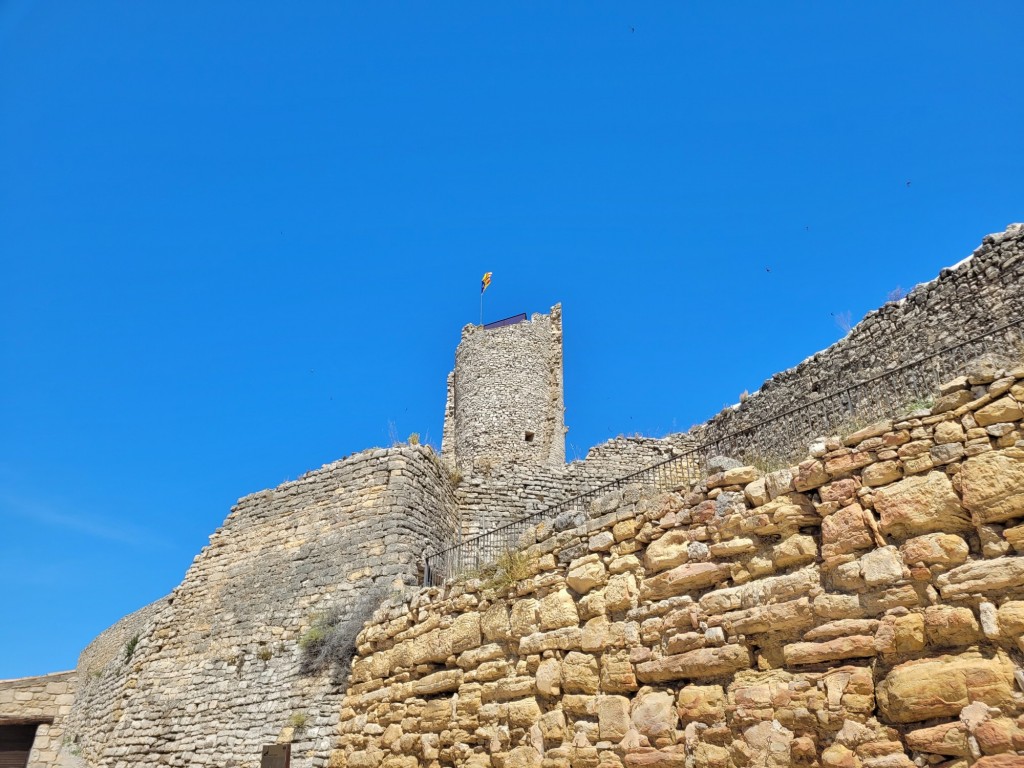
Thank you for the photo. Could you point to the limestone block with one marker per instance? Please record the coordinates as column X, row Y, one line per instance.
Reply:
column 810, row 474
column 798, row 549
column 701, row 704
column 507, row 689
column 701, row 664
column 732, row 548
column 920, row 504
column 877, row 429
column 580, row 673
column 654, row 715
column 734, row 476
column 847, row 463
column 946, row 549
column 900, row 634
column 668, row 551
column 854, row 647
column 993, row 486
column 549, row 677
column 523, row 619
column 617, row 675
column 660, row 758
column 882, row 567
column 1015, row 537
column 682, row 579
column 585, row 577
column 845, row 531
column 1000, row 761
column 520, row 757
column 1003, row 409
column 927, row 688
column 946, row 739
column 565, row 639
column 439, row 682
column 982, row 576
column 948, row 432
column 999, row 735
column 613, row 717
column 950, row 626
column 756, row 493
column 779, row 482
column 523, row 713
column 881, row 473
column 789, row 615
column 1011, row 618
column 557, row 610
column 465, row 632
column 621, row 592
column 476, row 656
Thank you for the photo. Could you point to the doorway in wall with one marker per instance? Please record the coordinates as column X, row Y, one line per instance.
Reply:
column 15, row 744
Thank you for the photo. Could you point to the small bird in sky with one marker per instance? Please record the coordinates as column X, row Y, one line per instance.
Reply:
column 632, row 29
column 767, row 269
column 908, row 183
column 808, row 229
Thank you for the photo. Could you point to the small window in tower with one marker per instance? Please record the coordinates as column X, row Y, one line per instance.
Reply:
column 529, row 437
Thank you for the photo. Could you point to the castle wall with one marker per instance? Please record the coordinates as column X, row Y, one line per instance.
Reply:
column 505, row 400
column 491, row 496
column 216, row 671
column 44, row 700
column 863, row 608
column 974, row 297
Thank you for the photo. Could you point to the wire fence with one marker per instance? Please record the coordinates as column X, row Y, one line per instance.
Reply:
column 886, row 395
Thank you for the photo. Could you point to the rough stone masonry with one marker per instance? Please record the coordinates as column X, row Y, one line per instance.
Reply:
column 857, row 608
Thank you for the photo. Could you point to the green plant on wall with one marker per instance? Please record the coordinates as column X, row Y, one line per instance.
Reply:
column 129, row 648
column 331, row 638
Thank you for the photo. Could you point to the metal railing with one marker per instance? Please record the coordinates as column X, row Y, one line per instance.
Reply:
column 878, row 397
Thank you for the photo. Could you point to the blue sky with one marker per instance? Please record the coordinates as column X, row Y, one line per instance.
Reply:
column 238, row 240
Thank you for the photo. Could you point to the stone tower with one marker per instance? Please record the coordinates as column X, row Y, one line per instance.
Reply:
column 505, row 402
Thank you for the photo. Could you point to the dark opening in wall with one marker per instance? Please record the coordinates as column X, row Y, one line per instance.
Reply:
column 529, row 436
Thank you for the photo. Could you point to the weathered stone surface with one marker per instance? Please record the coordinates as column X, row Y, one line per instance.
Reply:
column 1002, row 410
column 855, row 647
column 557, row 610
column 945, row 549
column 921, row 690
column 947, row 739
column 682, row 579
column 793, row 614
column 585, row 577
column 668, row 551
column 949, row 626
column 993, row 486
column 881, row 567
column 580, row 673
column 613, row 717
column 654, row 715
column 845, row 531
column 702, row 664
column 701, row 704
column 920, row 504
column 981, row 576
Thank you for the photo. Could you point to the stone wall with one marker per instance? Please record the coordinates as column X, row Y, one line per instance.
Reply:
column 43, row 701
column 505, row 401
column 101, row 679
column 491, row 495
column 216, row 671
column 978, row 295
column 863, row 608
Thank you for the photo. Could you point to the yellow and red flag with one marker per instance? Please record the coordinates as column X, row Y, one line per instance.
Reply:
column 486, row 281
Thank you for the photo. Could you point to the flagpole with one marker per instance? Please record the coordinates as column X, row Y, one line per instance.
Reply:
column 481, row 306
